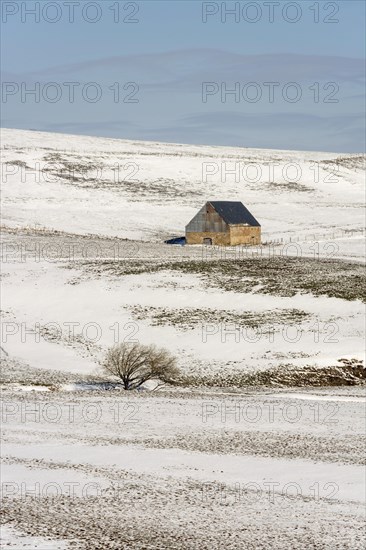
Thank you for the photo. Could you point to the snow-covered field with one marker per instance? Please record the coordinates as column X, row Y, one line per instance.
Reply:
column 186, row 471
column 84, row 266
column 147, row 190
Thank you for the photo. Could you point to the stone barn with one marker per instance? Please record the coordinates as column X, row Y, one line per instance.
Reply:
column 224, row 223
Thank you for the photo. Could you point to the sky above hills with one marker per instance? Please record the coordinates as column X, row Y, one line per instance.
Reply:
column 287, row 75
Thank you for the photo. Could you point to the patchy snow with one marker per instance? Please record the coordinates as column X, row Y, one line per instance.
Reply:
column 317, row 397
column 100, row 310
column 13, row 539
column 22, row 388
column 166, row 449
column 18, row 481
column 226, row 468
column 176, row 451
column 293, row 194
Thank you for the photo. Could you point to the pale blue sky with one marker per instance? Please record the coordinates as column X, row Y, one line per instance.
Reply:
column 168, row 55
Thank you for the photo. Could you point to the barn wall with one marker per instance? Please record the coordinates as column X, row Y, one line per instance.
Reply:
column 236, row 234
column 197, row 237
column 244, row 234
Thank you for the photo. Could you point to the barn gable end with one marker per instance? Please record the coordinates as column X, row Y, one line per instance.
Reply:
column 207, row 219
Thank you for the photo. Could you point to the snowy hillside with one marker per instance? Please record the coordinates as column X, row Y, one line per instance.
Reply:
column 149, row 191
column 84, row 267
column 67, row 183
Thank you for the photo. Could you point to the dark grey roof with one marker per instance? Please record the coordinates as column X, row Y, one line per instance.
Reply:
column 234, row 212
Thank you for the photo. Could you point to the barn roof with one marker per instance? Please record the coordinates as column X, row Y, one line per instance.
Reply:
column 234, row 212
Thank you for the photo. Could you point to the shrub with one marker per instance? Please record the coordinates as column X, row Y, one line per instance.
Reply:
column 135, row 364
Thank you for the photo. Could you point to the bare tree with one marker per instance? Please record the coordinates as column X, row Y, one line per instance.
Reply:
column 135, row 364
